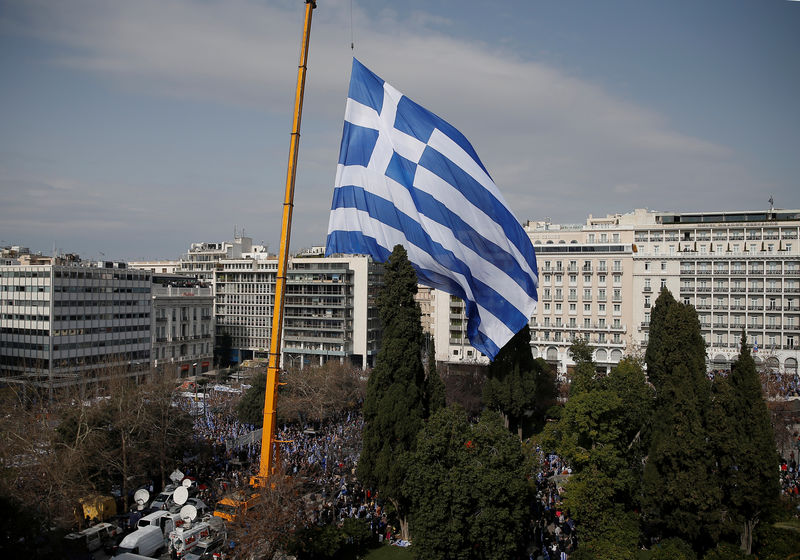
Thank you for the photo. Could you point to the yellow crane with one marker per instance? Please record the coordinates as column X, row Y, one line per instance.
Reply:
column 269, row 449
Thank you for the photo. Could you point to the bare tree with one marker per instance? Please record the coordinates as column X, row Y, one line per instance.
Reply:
column 267, row 529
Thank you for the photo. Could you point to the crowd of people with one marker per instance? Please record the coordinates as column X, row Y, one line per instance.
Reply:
column 553, row 533
column 325, row 456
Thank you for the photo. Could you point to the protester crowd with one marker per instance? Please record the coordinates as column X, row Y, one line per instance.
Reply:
column 324, row 456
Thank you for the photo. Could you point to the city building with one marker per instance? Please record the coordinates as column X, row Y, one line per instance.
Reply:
column 599, row 281
column 182, row 324
column 202, row 259
column 63, row 324
column 329, row 308
column 157, row 267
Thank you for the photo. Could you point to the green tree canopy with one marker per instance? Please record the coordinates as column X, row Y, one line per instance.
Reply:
column 744, row 446
column 469, row 491
column 680, row 491
column 515, row 382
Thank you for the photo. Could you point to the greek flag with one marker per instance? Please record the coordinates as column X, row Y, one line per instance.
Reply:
column 407, row 177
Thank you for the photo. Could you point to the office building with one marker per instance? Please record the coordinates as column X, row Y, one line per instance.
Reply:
column 62, row 324
column 183, row 324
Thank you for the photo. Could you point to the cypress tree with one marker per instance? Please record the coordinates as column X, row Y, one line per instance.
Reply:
column 680, row 493
column 745, row 447
column 394, row 405
column 435, row 397
column 510, row 384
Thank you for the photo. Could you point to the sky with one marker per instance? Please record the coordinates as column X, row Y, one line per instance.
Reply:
column 129, row 130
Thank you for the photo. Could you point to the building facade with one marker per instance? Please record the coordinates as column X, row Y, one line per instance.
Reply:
column 329, row 310
column 599, row 281
column 182, row 325
column 63, row 324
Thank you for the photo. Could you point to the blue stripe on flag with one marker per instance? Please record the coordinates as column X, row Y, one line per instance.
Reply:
column 480, row 197
column 386, row 212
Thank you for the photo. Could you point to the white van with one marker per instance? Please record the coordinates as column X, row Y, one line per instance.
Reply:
column 164, row 499
column 146, row 541
column 162, row 519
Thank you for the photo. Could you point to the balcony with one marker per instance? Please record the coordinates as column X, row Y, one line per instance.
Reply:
column 648, row 289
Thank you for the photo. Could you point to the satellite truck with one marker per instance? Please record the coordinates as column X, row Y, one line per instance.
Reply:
column 188, row 534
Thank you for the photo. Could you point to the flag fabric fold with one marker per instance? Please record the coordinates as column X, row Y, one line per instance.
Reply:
column 407, row 177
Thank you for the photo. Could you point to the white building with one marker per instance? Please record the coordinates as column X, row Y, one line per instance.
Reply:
column 329, row 310
column 156, row 267
column 182, row 325
column 62, row 324
column 599, row 280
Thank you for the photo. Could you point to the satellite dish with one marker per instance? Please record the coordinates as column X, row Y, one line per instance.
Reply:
column 141, row 497
column 188, row 514
column 181, row 495
column 176, row 476
column 187, row 482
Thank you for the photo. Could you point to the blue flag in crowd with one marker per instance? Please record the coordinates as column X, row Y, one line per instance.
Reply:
column 407, row 177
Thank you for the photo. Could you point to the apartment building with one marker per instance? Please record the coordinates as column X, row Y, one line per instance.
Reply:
column 202, row 258
column 329, row 307
column 182, row 324
column 61, row 324
column 599, row 281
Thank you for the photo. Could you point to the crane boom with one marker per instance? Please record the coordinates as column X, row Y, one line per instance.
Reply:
column 269, row 451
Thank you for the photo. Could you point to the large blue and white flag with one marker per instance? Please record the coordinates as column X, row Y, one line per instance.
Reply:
column 407, row 177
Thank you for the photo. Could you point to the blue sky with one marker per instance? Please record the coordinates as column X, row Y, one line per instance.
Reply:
column 132, row 129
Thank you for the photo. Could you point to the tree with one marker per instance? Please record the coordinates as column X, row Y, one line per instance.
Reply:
column 394, row 406
column 434, row 386
column 597, row 435
column 585, row 372
column 680, row 492
column 314, row 394
column 468, row 488
column 745, row 446
column 511, row 380
column 268, row 528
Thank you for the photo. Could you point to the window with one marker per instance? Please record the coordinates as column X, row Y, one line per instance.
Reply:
column 558, row 308
column 587, row 278
column 617, row 309
column 646, row 302
column 601, row 308
column 663, row 283
column 647, row 266
column 547, row 307
column 663, row 265
column 586, row 322
column 647, row 284
column 587, row 307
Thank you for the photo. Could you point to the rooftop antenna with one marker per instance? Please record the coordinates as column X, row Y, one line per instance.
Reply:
column 771, row 204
